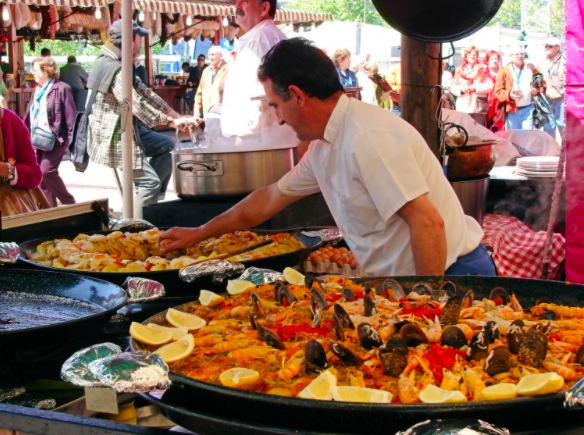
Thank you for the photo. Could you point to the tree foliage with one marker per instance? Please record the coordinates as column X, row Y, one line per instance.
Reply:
column 341, row 10
column 545, row 16
column 61, row 48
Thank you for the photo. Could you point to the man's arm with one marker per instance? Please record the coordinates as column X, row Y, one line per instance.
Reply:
column 427, row 235
column 251, row 211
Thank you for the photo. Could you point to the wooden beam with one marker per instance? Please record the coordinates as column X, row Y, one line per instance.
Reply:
column 148, row 60
column 418, row 73
column 12, row 48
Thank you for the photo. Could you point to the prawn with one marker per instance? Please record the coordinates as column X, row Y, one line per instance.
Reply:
column 292, row 367
column 565, row 372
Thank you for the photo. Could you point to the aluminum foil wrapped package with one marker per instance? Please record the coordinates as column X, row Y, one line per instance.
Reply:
column 130, row 225
column 9, row 252
column 454, row 427
column 327, row 234
column 132, row 372
column 575, row 396
column 8, row 392
column 261, row 276
column 76, row 369
column 143, row 290
column 220, row 269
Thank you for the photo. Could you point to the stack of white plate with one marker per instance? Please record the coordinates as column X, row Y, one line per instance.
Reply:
column 537, row 166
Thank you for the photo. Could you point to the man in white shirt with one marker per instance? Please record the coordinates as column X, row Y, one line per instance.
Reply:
column 382, row 184
column 242, row 116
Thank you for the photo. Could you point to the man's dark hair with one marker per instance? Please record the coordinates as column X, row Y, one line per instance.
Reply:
column 185, row 64
column 45, row 52
column 201, row 56
column 273, row 7
column 297, row 62
column 71, row 59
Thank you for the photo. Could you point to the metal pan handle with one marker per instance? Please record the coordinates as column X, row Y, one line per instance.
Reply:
column 182, row 166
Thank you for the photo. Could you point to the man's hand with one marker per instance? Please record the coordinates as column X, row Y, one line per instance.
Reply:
column 179, row 238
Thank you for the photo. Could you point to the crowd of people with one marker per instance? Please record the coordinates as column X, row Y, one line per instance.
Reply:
column 511, row 92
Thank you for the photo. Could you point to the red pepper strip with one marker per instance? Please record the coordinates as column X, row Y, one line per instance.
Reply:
column 335, row 297
column 441, row 357
column 286, row 332
column 426, row 312
column 554, row 337
column 148, row 266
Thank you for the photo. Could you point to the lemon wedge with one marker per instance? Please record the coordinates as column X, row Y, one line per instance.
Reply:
column 237, row 286
column 147, row 335
column 177, row 333
column 209, row 299
column 181, row 319
column 434, row 394
column 240, row 378
column 498, row 392
column 320, row 388
column 178, row 350
column 292, row 276
column 542, row 383
column 360, row 394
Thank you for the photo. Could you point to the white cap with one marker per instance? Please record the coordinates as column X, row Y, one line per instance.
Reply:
column 552, row 40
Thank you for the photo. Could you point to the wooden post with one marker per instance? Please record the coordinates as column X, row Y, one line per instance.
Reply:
column 12, row 49
column 148, row 60
column 418, row 103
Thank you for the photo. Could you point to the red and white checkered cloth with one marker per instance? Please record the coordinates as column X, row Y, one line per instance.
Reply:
column 517, row 250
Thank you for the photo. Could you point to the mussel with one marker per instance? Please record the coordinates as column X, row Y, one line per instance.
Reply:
column 272, row 340
column 451, row 311
column 467, row 299
column 277, row 284
column 257, row 305
column 315, row 360
column 448, row 286
column 422, row 288
column 545, row 329
column 339, row 331
column 368, row 303
column 344, row 319
column 368, row 336
column 259, row 328
column 317, row 306
column 533, row 348
column 284, row 295
column 491, row 330
column 498, row 361
column 391, row 289
column 348, row 294
column 413, row 335
column 580, row 356
column 310, row 280
column 317, row 297
column 345, row 355
column 499, row 295
column 515, row 335
column 454, row 337
column 392, row 356
column 478, row 347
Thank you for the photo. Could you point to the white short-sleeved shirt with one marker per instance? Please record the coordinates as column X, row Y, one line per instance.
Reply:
column 240, row 115
column 369, row 165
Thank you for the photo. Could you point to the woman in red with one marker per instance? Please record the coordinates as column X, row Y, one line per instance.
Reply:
column 496, row 115
column 471, row 84
column 19, row 168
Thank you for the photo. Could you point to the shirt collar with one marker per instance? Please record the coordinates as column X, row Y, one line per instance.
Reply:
column 110, row 50
column 336, row 119
column 258, row 26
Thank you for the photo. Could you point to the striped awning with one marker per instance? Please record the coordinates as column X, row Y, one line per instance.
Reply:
column 71, row 3
column 292, row 16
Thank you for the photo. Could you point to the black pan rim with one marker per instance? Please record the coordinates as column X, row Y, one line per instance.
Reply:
column 403, row 29
column 32, row 244
column 550, row 399
column 77, row 277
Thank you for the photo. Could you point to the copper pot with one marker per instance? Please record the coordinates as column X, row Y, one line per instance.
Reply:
column 471, row 162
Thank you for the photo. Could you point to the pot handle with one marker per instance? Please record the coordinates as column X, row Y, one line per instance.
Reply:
column 181, row 166
column 441, row 57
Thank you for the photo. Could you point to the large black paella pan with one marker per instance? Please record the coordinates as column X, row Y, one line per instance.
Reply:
column 173, row 284
column 213, row 409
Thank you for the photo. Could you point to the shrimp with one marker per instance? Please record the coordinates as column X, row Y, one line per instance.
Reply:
column 562, row 346
column 467, row 330
column 292, row 367
column 407, row 391
column 473, row 381
column 208, row 340
column 355, row 378
column 412, row 364
column 450, row 381
column 250, row 352
column 565, row 372
column 434, row 331
column 370, row 365
column 228, row 346
column 560, row 310
column 428, row 377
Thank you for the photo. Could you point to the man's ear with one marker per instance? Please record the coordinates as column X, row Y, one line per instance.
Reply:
column 297, row 94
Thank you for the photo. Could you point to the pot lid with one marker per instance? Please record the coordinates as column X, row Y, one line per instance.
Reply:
column 437, row 21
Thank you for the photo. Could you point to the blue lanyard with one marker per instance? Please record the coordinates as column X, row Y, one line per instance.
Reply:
column 36, row 107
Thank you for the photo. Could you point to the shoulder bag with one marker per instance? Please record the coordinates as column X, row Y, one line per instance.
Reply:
column 14, row 200
column 42, row 139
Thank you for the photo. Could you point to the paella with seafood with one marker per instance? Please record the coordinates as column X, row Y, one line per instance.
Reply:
column 139, row 252
column 352, row 342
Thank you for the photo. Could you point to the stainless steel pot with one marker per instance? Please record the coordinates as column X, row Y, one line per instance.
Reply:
column 224, row 174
